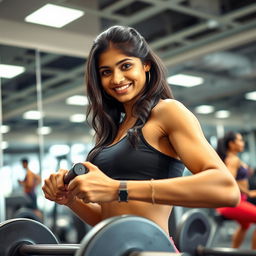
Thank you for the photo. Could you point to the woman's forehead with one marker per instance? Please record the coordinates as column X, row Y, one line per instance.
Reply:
column 113, row 56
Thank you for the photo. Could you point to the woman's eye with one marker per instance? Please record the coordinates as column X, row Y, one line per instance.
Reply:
column 126, row 66
column 105, row 72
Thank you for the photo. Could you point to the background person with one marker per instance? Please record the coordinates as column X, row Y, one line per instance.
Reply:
column 29, row 184
column 244, row 213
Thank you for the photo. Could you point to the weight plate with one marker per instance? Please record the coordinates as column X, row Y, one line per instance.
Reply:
column 17, row 231
column 193, row 229
column 118, row 236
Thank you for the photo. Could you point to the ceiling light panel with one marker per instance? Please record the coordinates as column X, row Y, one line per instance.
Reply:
column 77, row 118
column 204, row 109
column 44, row 130
column 10, row 71
column 222, row 114
column 251, row 95
column 32, row 115
column 4, row 128
column 4, row 145
column 54, row 16
column 77, row 100
column 185, row 80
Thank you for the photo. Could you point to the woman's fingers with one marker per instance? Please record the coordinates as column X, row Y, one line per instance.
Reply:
column 54, row 187
column 60, row 179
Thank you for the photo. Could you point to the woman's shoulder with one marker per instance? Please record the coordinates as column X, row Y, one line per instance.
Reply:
column 174, row 109
column 170, row 105
column 233, row 160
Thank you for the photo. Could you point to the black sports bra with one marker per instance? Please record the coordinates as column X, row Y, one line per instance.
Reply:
column 142, row 162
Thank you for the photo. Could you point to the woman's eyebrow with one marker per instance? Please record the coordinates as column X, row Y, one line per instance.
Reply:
column 118, row 63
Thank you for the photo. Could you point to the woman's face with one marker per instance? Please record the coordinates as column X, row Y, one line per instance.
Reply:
column 239, row 143
column 122, row 77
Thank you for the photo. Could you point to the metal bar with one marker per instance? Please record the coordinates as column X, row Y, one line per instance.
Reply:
column 49, row 249
column 157, row 254
column 202, row 251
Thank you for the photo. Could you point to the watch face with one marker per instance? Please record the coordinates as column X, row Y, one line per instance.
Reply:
column 123, row 195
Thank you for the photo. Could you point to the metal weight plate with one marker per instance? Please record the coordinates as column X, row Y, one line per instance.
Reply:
column 118, row 236
column 17, row 231
column 193, row 229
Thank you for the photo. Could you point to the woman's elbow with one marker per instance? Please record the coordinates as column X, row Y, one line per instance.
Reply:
column 232, row 195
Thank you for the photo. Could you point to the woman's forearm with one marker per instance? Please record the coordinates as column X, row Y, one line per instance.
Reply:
column 244, row 187
column 90, row 212
column 211, row 188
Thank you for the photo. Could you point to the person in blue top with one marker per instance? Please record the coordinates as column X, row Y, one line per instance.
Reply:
column 244, row 213
column 143, row 138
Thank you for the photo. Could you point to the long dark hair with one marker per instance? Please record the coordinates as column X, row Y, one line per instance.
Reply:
column 104, row 111
column 223, row 144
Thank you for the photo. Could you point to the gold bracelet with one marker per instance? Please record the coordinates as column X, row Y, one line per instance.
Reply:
column 152, row 191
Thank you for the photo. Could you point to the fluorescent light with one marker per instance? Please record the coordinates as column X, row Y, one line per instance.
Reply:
column 4, row 145
column 212, row 24
column 54, row 15
column 59, row 150
column 204, row 109
column 4, row 128
column 222, row 114
column 10, row 71
column 77, row 100
column 77, row 118
column 44, row 130
column 32, row 115
column 185, row 80
column 251, row 95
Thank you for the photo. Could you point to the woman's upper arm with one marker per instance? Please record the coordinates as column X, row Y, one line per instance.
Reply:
column 187, row 138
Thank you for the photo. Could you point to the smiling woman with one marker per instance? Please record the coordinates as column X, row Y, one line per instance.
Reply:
column 143, row 140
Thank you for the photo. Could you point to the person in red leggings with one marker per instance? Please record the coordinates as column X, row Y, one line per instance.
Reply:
column 244, row 213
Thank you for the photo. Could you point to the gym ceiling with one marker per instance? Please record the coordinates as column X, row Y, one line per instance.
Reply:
column 213, row 39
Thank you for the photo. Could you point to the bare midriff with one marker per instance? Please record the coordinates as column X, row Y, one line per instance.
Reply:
column 155, row 212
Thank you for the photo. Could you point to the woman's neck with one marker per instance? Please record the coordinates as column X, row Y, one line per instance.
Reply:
column 232, row 153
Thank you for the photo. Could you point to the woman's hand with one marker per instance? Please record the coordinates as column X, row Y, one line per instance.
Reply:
column 55, row 190
column 94, row 187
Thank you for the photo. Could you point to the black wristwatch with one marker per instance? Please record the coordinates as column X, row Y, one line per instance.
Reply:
column 123, row 193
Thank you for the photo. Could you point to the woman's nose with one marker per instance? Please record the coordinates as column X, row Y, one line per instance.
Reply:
column 118, row 77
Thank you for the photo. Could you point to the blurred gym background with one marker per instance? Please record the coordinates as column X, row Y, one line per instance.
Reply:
column 208, row 47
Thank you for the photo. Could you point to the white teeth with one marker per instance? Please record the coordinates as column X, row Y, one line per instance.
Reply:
column 122, row 88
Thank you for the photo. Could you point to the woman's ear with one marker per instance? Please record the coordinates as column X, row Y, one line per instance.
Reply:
column 231, row 144
column 147, row 66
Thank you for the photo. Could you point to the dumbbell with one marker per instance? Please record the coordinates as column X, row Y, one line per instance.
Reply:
column 77, row 169
column 125, row 235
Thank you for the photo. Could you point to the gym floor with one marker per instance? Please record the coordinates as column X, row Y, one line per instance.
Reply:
column 225, row 233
